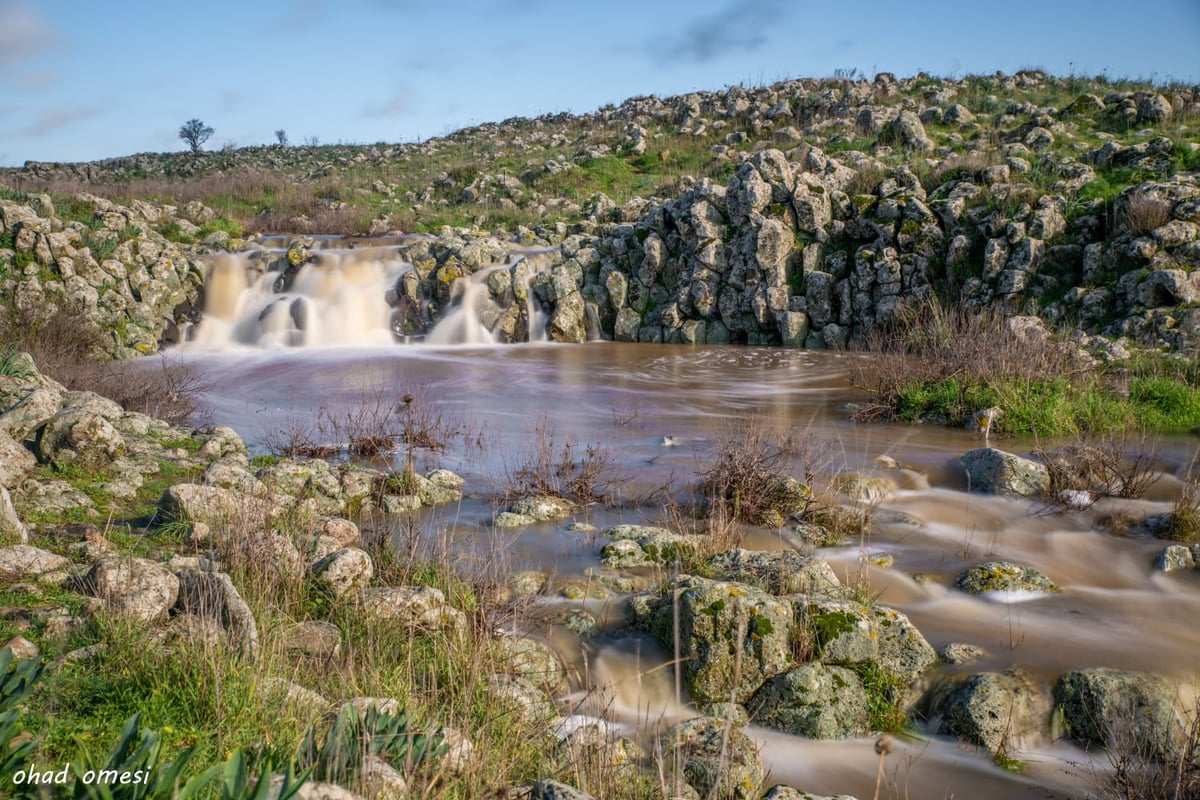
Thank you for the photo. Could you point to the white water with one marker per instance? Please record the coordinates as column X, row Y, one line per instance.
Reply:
column 341, row 299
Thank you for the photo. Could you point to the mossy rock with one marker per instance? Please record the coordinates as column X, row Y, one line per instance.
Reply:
column 1002, row 576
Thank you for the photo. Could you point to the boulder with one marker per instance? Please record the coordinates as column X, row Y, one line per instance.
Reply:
column 49, row 498
column 996, row 472
column 1000, row 711
column 908, row 132
column 520, row 698
column 212, row 594
column 543, row 509
column 344, row 571
column 818, row 701
column 1109, row 707
column 1172, row 558
column 637, row 545
column 135, row 587
column 23, row 561
column 852, row 634
column 1002, row 576
column 192, row 502
column 31, row 412
column 531, row 660
column 11, row 526
column 79, row 438
column 710, row 613
column 778, row 572
column 707, row 757
column 15, row 460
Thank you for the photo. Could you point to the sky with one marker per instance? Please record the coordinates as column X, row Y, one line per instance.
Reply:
column 82, row 80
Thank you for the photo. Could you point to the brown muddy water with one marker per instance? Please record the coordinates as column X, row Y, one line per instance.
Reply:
column 1114, row 609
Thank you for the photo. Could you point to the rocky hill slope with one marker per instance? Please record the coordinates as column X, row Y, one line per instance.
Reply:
column 801, row 213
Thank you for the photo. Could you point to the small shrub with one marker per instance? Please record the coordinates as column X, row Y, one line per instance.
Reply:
column 1183, row 521
column 582, row 475
column 1139, row 213
column 747, row 479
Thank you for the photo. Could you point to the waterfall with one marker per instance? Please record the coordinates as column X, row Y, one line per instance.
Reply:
column 361, row 297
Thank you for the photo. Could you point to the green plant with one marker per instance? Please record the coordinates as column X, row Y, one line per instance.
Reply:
column 356, row 735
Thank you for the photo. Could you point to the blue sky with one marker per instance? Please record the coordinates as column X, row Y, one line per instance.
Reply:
column 87, row 80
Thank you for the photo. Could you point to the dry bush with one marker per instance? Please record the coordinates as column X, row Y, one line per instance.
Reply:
column 72, row 351
column 929, row 343
column 377, row 423
column 1138, row 213
column 748, row 478
column 1106, row 466
column 582, row 474
column 1139, row 772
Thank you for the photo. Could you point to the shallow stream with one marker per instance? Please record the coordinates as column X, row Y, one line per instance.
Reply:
column 657, row 411
column 1115, row 610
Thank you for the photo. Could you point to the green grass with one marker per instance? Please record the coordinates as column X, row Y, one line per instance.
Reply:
column 1057, row 407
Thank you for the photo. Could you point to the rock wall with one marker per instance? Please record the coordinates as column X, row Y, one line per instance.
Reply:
column 110, row 267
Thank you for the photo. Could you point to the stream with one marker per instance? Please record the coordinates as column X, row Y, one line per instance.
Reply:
column 656, row 412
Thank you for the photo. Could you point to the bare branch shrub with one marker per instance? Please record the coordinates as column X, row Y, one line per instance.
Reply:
column 72, row 351
column 1138, row 212
column 1106, row 466
column 582, row 474
column 1138, row 769
column 747, row 477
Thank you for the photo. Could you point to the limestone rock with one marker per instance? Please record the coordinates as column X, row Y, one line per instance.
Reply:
column 1000, row 711
column 693, row 749
column 1103, row 705
column 15, row 460
column 23, row 561
column 543, row 509
column 78, row 438
column 11, row 526
column 212, row 594
column 778, row 572
column 344, row 571
column 814, row 700
column 531, row 660
column 997, row 472
column 848, row 634
column 1002, row 576
column 710, row 613
column 136, row 587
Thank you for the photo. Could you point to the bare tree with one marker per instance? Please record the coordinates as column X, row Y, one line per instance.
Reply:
column 282, row 137
column 195, row 133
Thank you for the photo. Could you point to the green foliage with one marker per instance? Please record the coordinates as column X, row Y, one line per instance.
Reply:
column 13, row 364
column 1166, row 404
column 885, row 695
column 101, row 245
column 222, row 224
column 353, row 736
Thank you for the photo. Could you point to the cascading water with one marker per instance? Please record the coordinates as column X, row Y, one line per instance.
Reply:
column 361, row 297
